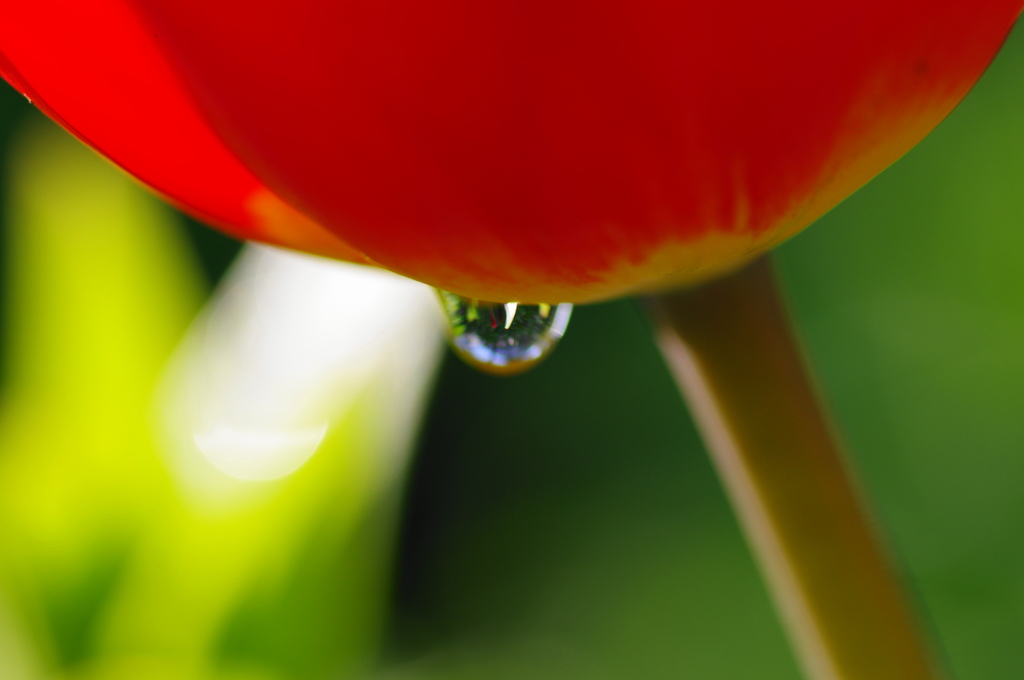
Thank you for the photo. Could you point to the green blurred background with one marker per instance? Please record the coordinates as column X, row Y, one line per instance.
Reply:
column 561, row 525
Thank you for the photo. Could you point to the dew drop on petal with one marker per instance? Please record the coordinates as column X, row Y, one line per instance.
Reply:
column 503, row 338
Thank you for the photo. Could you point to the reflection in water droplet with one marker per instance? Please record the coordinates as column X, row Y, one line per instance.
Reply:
column 503, row 338
column 510, row 313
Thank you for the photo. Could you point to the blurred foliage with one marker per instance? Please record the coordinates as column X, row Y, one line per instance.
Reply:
column 560, row 525
column 112, row 567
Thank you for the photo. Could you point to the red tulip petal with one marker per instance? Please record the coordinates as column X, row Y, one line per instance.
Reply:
column 550, row 150
column 91, row 67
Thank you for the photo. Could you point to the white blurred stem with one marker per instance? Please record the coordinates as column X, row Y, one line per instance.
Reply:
column 285, row 349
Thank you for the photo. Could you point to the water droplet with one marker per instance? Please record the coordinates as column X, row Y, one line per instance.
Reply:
column 503, row 338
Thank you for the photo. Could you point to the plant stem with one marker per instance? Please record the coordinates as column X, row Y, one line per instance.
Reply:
column 730, row 348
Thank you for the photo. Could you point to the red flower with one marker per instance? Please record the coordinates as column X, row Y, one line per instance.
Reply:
column 531, row 150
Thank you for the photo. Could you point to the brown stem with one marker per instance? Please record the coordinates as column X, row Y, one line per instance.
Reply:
column 731, row 350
